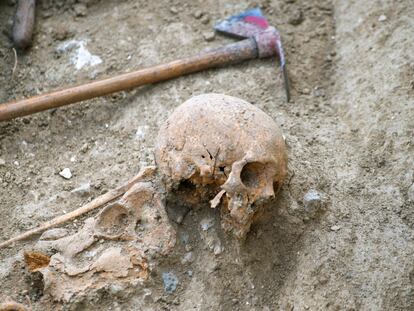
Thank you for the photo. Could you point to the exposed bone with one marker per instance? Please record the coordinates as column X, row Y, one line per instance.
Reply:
column 11, row 305
column 113, row 247
column 217, row 199
column 112, row 261
column 213, row 147
column 219, row 142
column 98, row 202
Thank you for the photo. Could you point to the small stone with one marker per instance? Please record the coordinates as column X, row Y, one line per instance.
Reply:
column 197, row 14
column 80, row 9
column 319, row 92
column 2, row 162
column 296, row 18
column 312, row 200
column 185, row 238
column 335, row 228
column 148, row 295
column 84, row 148
column 206, row 224
column 188, row 258
column 382, row 18
column 173, row 10
column 205, row 19
column 410, row 193
column 83, row 190
column 218, row 249
column 7, row 176
column 116, row 289
column 209, row 36
column 66, row 173
column 170, row 282
column 306, row 91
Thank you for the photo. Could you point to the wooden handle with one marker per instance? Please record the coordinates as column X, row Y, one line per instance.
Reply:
column 24, row 23
column 231, row 53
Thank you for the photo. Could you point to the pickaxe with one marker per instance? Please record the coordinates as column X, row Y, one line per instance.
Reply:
column 260, row 40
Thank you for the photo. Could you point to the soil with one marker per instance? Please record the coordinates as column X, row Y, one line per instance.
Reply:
column 349, row 130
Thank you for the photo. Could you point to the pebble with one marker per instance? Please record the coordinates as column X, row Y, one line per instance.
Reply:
column 66, row 173
column 218, row 249
column 205, row 19
column 410, row 193
column 116, row 289
column 2, row 162
column 209, row 36
column 318, row 92
column 198, row 14
column 7, row 176
column 83, row 189
column 206, row 224
column 296, row 18
column 173, row 10
column 306, row 91
column 185, row 238
column 312, row 200
column 335, row 228
column 170, row 281
column 84, row 148
column 382, row 18
column 80, row 9
column 188, row 258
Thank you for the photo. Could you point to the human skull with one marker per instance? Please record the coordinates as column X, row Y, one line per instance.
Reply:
column 227, row 148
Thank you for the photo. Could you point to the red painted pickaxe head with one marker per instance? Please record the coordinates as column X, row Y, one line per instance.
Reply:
column 252, row 24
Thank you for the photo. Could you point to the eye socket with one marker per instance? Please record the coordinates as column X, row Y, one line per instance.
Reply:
column 252, row 174
column 113, row 220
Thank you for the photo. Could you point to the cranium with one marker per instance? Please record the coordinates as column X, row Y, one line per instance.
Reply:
column 226, row 148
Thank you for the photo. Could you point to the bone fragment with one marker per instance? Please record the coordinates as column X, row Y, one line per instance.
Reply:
column 12, row 306
column 217, row 199
column 98, row 202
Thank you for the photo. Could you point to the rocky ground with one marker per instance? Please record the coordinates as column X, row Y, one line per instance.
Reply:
column 349, row 131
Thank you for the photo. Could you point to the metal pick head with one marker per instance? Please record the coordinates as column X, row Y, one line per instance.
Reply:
column 252, row 24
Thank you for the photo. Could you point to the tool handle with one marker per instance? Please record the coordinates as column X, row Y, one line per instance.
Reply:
column 24, row 23
column 231, row 53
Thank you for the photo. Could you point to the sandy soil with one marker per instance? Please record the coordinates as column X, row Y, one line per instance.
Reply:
column 349, row 131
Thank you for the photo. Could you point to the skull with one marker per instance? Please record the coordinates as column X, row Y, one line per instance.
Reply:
column 227, row 149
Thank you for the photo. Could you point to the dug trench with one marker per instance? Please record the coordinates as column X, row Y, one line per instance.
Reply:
column 348, row 130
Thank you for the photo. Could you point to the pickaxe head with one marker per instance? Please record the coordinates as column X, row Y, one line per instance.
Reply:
column 252, row 24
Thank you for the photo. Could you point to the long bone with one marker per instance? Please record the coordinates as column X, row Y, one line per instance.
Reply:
column 94, row 204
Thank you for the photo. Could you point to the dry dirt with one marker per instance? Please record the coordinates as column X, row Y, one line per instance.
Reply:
column 349, row 130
